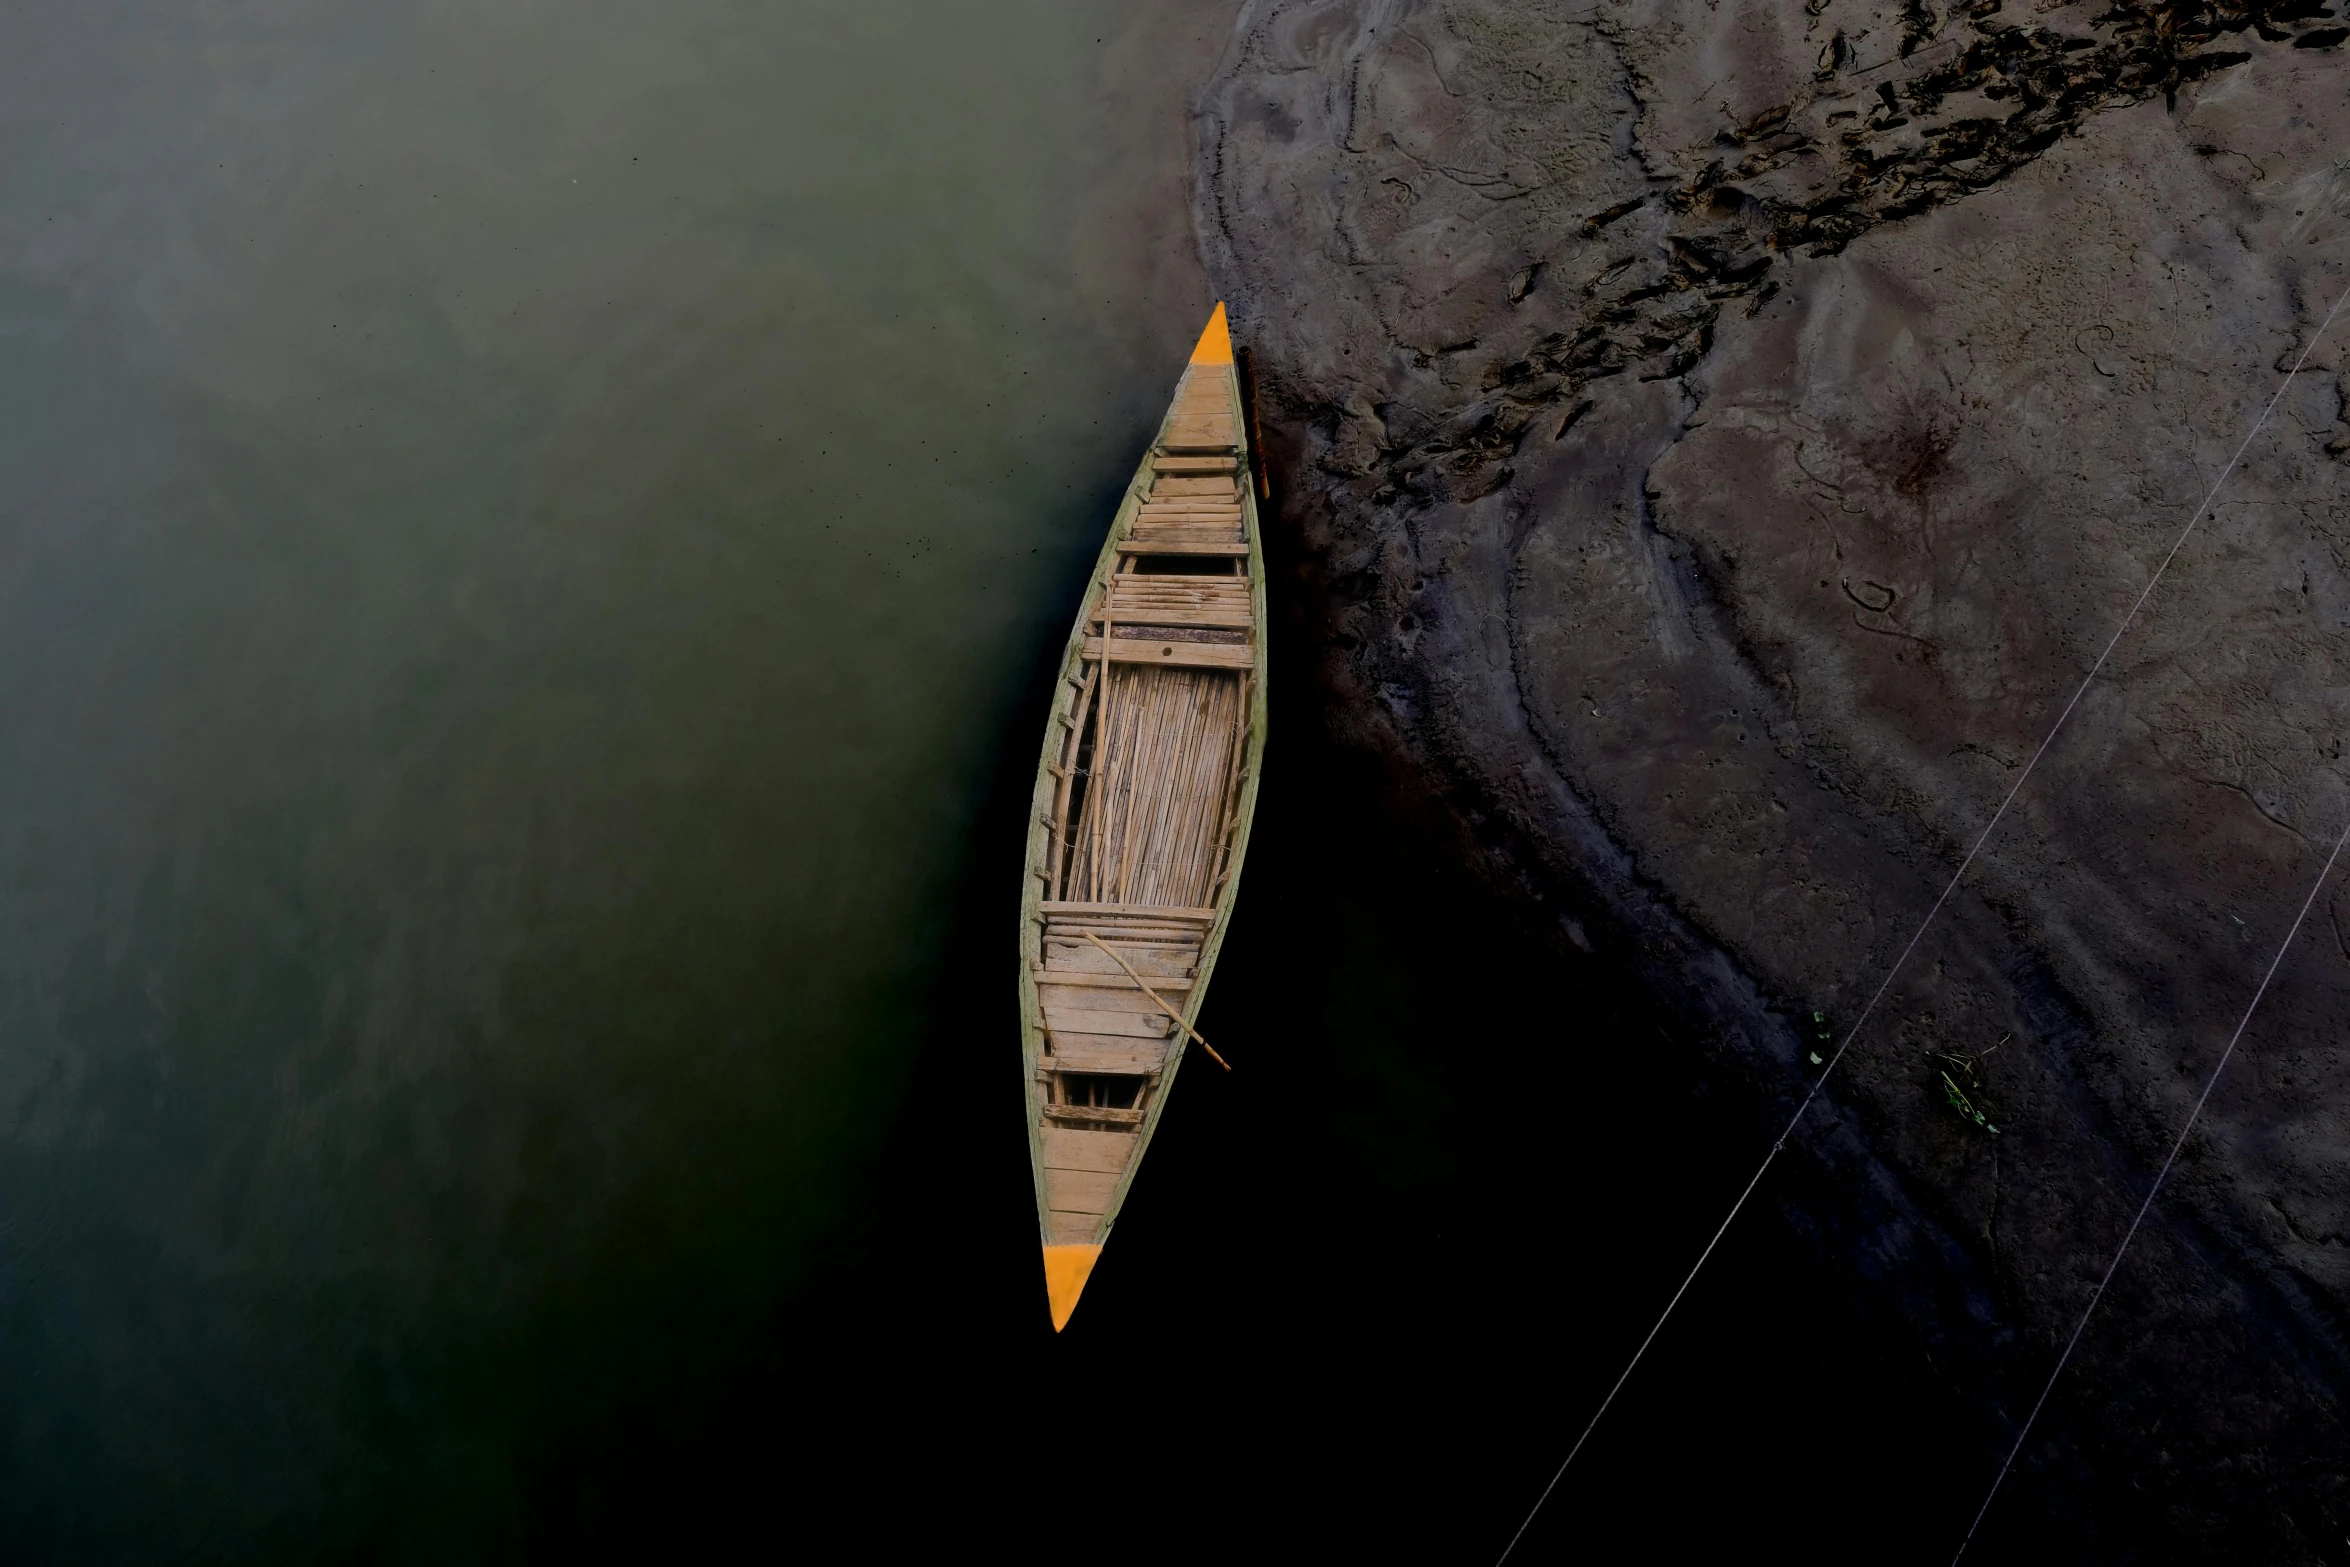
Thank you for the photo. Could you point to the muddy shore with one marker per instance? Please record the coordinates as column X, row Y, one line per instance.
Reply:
column 1717, row 440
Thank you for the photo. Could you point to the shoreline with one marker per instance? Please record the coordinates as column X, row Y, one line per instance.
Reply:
column 1568, row 563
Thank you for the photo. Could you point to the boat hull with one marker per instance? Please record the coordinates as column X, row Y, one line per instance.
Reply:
column 1140, row 818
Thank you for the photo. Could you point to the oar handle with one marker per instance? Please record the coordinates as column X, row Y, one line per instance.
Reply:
column 1158, row 1001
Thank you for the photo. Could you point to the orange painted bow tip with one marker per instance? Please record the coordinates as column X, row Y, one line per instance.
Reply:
column 1066, row 1268
column 1215, row 344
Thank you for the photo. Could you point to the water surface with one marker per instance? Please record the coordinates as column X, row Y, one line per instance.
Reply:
column 522, row 528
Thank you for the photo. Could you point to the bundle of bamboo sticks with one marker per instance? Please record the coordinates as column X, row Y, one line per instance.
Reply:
column 1150, row 829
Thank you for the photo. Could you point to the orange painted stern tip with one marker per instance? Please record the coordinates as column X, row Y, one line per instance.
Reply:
column 1215, row 344
column 1066, row 1268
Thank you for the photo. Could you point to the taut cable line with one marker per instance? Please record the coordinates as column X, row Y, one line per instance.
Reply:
column 2064, row 716
column 2178, row 1143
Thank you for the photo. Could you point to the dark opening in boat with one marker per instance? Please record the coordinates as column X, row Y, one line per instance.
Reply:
column 1100, row 1090
column 1189, row 566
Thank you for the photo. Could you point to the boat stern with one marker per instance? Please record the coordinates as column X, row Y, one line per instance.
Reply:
column 1066, row 1268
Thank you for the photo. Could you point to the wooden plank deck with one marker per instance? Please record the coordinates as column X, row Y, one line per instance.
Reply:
column 1151, row 958
column 1103, row 1153
column 1109, row 1054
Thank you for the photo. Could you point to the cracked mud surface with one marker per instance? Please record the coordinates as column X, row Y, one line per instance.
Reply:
column 1722, row 437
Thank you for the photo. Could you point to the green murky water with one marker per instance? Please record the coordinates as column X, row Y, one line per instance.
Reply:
column 522, row 530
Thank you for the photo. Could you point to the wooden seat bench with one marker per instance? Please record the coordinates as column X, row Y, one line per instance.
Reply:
column 1174, row 655
column 1170, row 541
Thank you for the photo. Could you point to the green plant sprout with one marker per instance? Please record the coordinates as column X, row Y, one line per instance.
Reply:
column 1968, row 1070
column 1963, row 1105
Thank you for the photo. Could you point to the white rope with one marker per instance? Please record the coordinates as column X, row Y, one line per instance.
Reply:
column 2131, row 1234
column 1813, row 1092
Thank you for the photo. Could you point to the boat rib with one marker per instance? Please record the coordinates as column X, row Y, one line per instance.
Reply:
column 1140, row 814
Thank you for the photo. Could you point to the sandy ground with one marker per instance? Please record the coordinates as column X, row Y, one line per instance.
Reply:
column 1722, row 437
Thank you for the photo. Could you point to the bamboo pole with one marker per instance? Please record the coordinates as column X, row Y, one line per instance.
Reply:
column 1138, row 772
column 1231, row 801
column 1068, row 776
column 1101, row 757
column 1171, row 738
column 1180, row 847
column 1176, row 1016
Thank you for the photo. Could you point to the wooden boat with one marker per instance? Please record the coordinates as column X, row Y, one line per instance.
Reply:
column 1141, row 813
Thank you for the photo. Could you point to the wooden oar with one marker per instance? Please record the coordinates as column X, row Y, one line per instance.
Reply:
column 1162, row 1006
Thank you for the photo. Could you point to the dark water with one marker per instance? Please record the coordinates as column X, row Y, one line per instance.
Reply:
column 531, row 541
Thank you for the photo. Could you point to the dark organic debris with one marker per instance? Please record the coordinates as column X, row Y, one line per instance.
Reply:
column 1723, row 240
column 1961, row 1076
